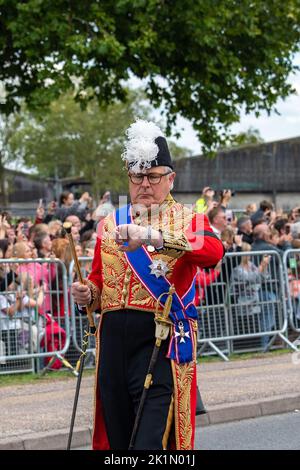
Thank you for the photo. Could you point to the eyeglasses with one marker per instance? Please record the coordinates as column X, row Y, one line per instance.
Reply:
column 153, row 178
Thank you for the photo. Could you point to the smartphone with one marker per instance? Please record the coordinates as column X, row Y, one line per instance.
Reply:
column 229, row 215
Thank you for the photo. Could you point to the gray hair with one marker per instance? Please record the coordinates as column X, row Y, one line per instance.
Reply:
column 242, row 221
column 166, row 169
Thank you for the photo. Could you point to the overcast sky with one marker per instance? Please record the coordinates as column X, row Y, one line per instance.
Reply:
column 274, row 127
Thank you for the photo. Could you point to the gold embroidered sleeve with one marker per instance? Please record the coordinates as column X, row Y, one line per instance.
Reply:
column 175, row 243
column 95, row 292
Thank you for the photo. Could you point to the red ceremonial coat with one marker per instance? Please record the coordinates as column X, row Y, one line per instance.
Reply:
column 189, row 243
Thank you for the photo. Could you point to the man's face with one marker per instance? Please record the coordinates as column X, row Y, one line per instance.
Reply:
column 146, row 193
column 220, row 221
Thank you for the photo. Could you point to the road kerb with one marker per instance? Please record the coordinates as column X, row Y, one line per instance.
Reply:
column 57, row 439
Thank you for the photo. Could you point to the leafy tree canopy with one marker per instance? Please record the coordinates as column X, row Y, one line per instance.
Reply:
column 69, row 141
column 204, row 59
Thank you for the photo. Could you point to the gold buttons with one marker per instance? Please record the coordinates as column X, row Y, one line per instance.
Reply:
column 125, row 287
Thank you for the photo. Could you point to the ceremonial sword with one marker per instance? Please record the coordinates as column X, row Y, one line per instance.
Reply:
column 92, row 329
column 162, row 330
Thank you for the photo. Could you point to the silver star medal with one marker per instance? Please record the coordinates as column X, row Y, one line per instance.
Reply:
column 159, row 267
column 182, row 333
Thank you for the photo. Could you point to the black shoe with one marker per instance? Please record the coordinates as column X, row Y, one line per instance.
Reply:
column 200, row 408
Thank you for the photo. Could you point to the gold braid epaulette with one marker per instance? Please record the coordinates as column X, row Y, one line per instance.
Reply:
column 95, row 293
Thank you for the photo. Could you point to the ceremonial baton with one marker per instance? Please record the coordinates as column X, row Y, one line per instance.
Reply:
column 161, row 332
column 92, row 329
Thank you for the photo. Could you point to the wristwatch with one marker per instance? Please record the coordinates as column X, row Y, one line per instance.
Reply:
column 150, row 247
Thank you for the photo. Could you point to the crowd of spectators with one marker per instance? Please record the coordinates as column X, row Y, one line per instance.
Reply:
column 253, row 228
column 262, row 227
column 31, row 293
column 250, row 283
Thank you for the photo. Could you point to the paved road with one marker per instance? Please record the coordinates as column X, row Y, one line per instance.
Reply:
column 33, row 407
column 277, row 432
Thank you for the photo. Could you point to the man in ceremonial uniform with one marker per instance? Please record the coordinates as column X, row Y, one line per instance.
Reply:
column 143, row 249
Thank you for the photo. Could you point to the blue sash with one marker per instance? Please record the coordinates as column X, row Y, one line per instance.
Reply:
column 182, row 309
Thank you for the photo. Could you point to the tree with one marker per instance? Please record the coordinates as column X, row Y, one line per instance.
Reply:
column 68, row 141
column 251, row 136
column 203, row 59
column 6, row 155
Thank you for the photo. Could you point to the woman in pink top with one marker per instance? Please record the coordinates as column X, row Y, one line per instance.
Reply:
column 40, row 273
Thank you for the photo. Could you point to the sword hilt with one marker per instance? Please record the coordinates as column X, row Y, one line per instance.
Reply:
column 162, row 319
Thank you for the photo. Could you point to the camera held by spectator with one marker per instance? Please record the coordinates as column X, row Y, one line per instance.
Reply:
column 224, row 192
column 225, row 196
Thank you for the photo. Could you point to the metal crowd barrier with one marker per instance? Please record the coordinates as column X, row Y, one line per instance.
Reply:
column 79, row 322
column 291, row 262
column 34, row 315
column 213, row 317
column 239, row 309
column 243, row 307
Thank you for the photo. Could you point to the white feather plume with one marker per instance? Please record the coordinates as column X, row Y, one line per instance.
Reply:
column 140, row 148
column 142, row 129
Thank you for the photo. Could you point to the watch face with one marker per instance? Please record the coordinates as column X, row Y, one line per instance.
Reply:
column 150, row 248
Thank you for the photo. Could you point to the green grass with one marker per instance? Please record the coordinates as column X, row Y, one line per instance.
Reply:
column 244, row 356
column 30, row 378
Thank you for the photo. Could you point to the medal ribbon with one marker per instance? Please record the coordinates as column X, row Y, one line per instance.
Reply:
column 182, row 310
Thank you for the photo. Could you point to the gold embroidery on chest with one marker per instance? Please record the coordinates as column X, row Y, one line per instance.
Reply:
column 114, row 267
column 116, row 292
column 140, row 296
